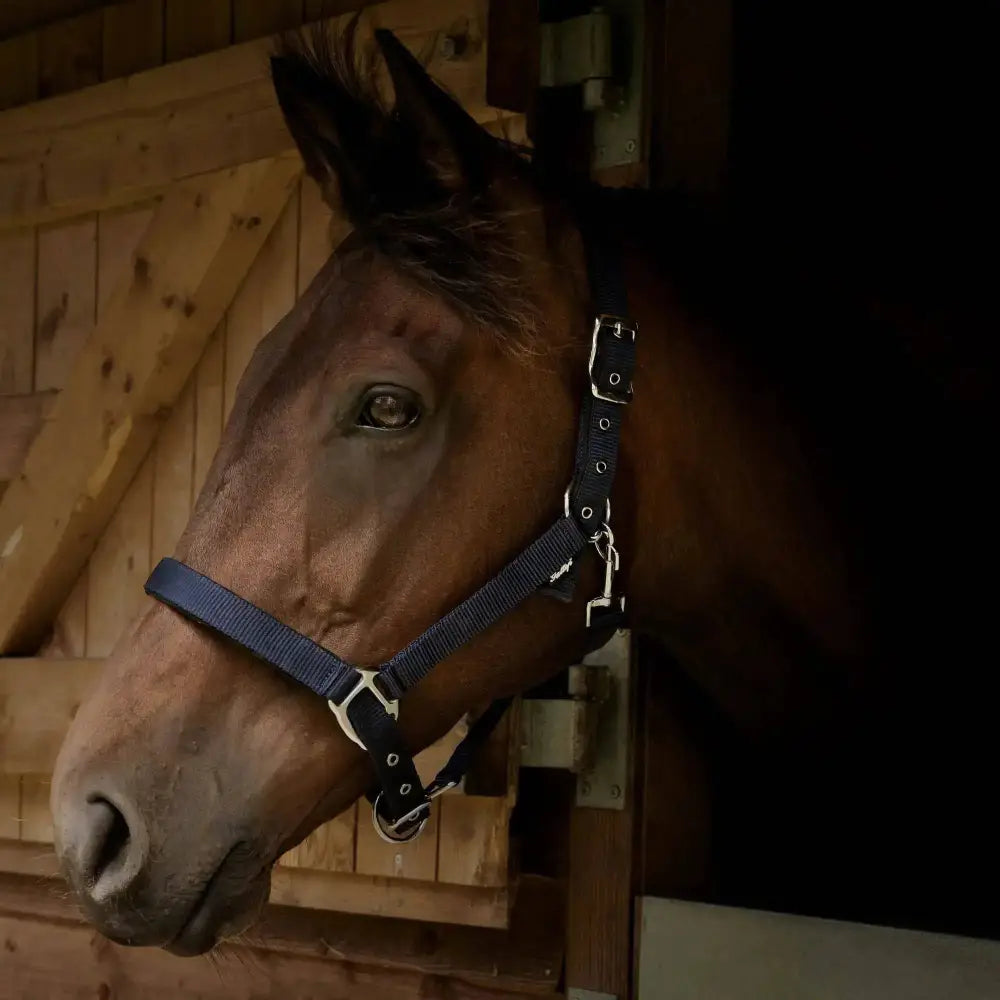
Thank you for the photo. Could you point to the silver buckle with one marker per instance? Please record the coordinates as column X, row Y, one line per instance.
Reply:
column 619, row 327
column 387, row 831
column 365, row 682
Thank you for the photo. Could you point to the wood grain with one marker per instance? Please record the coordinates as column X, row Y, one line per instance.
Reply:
column 190, row 262
column 66, row 310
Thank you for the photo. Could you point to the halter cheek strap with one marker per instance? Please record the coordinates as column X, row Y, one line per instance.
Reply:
column 366, row 702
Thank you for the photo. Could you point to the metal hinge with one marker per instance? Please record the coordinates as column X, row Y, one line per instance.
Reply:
column 586, row 733
column 602, row 53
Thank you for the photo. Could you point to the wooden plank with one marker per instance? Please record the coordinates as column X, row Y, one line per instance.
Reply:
column 194, row 254
column 18, row 70
column 119, row 566
column 133, row 37
column 18, row 16
column 416, row 860
column 10, row 806
column 20, row 419
column 69, row 631
column 263, row 299
column 329, row 848
column 196, row 26
column 256, row 18
column 36, row 817
column 210, row 383
column 391, row 897
column 600, row 887
column 17, row 311
column 21, row 858
column 118, row 235
column 474, row 842
column 69, row 54
column 173, row 474
column 38, row 699
column 345, row 892
column 127, row 139
column 68, row 960
column 67, row 267
column 527, row 958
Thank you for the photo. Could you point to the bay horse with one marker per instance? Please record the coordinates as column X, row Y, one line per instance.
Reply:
column 410, row 425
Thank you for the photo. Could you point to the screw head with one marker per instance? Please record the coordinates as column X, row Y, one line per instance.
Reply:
column 585, row 787
column 630, row 146
column 616, row 792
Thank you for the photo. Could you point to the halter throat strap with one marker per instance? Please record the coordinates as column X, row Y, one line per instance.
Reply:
column 365, row 702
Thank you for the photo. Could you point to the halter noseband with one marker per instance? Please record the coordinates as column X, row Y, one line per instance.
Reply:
column 366, row 702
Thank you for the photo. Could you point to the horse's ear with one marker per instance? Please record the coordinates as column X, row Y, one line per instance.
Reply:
column 334, row 126
column 452, row 144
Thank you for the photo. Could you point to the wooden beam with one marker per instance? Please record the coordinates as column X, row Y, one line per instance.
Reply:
column 18, row 16
column 38, row 699
column 344, row 892
column 188, row 265
column 20, row 418
column 121, row 141
column 525, row 960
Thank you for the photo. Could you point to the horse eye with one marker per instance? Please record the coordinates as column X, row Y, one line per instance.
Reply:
column 389, row 410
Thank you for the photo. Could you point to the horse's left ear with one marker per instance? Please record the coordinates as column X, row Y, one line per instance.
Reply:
column 453, row 145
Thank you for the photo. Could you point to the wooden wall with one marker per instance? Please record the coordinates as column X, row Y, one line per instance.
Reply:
column 127, row 37
column 55, row 280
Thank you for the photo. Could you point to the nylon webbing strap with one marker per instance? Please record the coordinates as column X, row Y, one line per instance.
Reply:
column 208, row 603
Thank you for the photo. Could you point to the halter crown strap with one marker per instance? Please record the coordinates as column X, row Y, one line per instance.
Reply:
column 365, row 702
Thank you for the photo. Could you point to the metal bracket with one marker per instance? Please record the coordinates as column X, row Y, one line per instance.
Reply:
column 603, row 784
column 602, row 53
column 586, row 733
column 562, row 732
column 575, row 993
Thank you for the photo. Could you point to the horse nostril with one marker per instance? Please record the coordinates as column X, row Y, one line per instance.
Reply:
column 113, row 841
column 107, row 853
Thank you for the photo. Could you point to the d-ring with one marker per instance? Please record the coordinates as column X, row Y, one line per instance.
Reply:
column 390, row 832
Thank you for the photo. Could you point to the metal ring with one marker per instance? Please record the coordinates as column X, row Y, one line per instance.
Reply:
column 601, row 466
column 406, row 789
column 413, row 826
column 587, row 513
column 614, row 378
column 392, row 760
column 604, row 423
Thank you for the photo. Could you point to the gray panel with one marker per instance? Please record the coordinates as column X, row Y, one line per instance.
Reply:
column 691, row 951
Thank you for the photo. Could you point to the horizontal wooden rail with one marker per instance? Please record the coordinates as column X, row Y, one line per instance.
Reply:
column 128, row 139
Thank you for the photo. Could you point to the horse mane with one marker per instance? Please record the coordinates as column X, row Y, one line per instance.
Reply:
column 454, row 241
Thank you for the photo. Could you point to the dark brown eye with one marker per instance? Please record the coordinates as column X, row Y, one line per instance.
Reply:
column 389, row 410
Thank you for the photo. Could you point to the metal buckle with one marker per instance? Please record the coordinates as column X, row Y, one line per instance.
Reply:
column 390, row 832
column 618, row 327
column 365, row 682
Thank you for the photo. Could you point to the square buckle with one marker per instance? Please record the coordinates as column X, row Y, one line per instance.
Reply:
column 619, row 328
column 366, row 682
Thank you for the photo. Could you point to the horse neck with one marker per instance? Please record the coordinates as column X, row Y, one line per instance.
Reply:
column 731, row 555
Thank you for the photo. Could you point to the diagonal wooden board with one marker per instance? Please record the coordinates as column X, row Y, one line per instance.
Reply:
column 199, row 245
column 121, row 141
